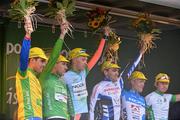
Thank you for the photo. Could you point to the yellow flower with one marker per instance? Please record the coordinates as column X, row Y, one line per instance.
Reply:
column 101, row 18
column 136, row 22
column 114, row 46
column 95, row 24
column 90, row 23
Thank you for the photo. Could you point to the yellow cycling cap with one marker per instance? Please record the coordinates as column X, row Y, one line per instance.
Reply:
column 76, row 52
column 62, row 59
column 37, row 52
column 137, row 75
column 108, row 64
column 162, row 77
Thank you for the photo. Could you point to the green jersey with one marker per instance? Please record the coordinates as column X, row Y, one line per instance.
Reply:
column 53, row 104
column 55, row 97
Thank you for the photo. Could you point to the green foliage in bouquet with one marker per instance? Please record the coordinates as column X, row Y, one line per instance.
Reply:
column 143, row 24
column 147, row 32
column 21, row 8
column 56, row 5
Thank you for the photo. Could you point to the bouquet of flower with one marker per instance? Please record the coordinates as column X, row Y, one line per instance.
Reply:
column 146, row 31
column 60, row 9
column 24, row 9
column 98, row 18
column 110, row 52
column 112, row 47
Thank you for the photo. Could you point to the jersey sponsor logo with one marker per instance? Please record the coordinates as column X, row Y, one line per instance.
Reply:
column 112, row 90
column 136, row 101
column 162, row 101
column 135, row 109
column 80, row 86
column 136, row 117
column 136, row 112
column 79, row 90
column 60, row 97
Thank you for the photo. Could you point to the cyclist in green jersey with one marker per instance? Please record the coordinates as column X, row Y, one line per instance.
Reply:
column 53, row 88
column 55, row 93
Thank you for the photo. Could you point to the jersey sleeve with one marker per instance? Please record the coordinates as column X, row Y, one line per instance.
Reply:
column 93, row 100
column 173, row 98
column 127, row 72
column 24, row 54
column 96, row 55
column 52, row 60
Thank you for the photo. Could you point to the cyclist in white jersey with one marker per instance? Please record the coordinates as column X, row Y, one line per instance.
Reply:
column 106, row 96
column 157, row 101
column 133, row 104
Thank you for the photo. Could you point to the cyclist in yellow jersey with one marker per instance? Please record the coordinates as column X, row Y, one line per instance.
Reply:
column 28, row 88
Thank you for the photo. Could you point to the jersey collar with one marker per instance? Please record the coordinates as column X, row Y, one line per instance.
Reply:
column 107, row 79
column 158, row 92
column 31, row 70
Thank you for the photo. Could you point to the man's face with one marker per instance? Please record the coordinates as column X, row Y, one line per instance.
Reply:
column 38, row 64
column 138, row 84
column 162, row 86
column 112, row 73
column 61, row 67
column 80, row 63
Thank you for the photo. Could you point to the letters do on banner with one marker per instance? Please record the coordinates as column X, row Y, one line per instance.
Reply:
column 13, row 48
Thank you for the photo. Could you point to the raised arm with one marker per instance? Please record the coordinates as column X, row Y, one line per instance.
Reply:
column 55, row 53
column 99, row 51
column 128, row 72
column 26, row 45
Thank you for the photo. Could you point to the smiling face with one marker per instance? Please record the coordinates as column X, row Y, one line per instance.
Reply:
column 138, row 85
column 162, row 86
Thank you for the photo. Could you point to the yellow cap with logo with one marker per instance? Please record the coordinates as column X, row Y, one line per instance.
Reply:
column 162, row 77
column 77, row 52
column 37, row 52
column 108, row 64
column 62, row 59
column 137, row 75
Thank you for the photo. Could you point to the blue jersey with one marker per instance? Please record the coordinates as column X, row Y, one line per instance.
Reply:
column 76, row 83
column 133, row 105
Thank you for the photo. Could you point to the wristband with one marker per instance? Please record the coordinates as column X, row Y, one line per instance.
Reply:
column 105, row 37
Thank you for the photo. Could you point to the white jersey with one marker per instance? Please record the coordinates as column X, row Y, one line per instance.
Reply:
column 133, row 105
column 105, row 101
column 159, row 104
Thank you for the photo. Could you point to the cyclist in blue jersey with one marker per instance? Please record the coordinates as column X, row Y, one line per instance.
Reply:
column 133, row 104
